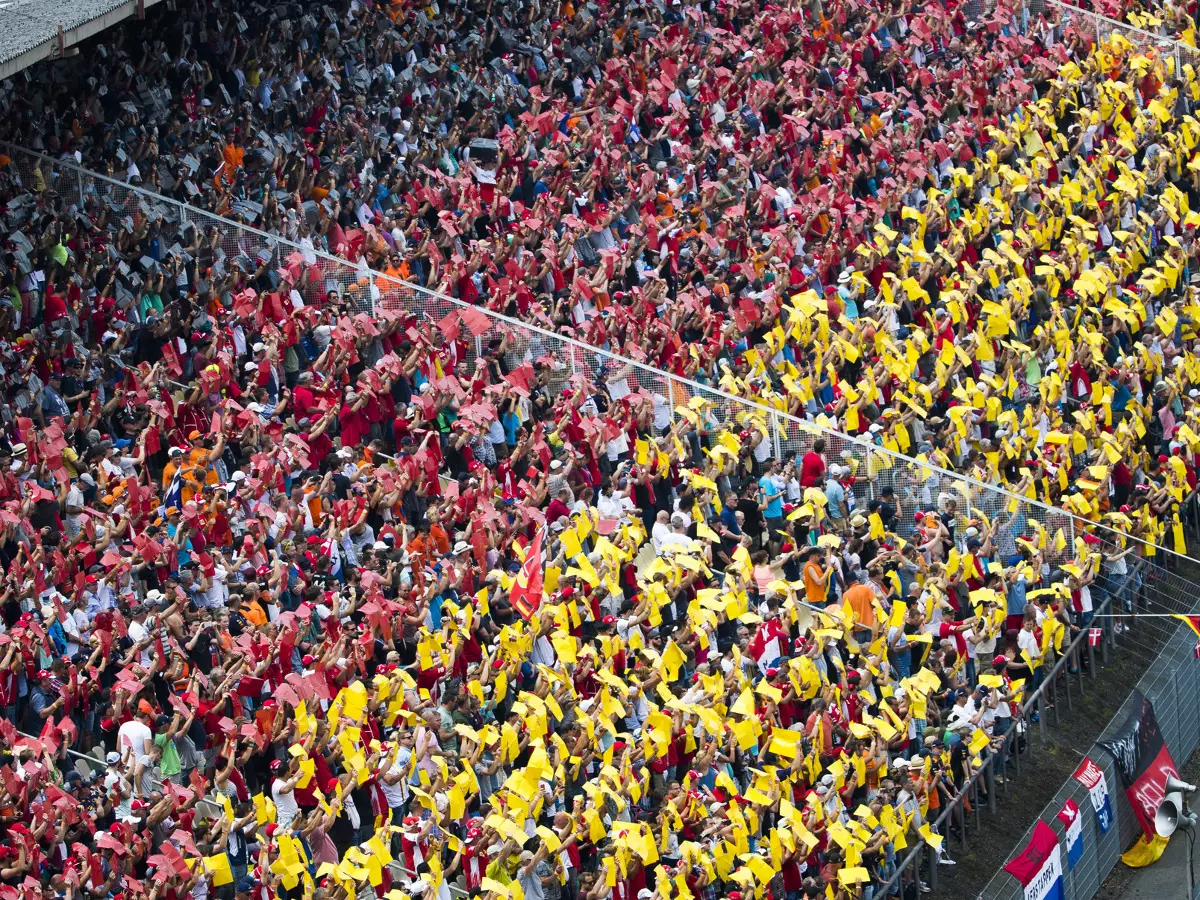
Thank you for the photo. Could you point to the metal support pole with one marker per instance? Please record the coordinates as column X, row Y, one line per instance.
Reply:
column 1092, row 659
column 989, row 776
column 1042, row 716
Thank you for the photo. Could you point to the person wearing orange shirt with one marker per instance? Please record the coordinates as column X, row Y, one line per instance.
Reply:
column 174, row 461
column 234, row 156
column 199, row 469
column 816, row 576
column 860, row 599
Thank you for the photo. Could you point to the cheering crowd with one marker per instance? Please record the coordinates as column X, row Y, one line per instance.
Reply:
column 332, row 589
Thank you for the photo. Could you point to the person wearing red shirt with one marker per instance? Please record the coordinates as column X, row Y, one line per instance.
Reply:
column 354, row 425
column 812, row 467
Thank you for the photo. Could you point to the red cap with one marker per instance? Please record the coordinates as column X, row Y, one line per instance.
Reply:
column 999, row 660
column 608, row 620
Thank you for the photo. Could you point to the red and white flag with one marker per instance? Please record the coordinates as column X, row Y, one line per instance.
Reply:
column 526, row 594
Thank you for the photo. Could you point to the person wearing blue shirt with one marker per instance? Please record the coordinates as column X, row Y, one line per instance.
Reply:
column 1016, row 597
column 1121, row 394
column 848, row 294
column 770, row 500
column 729, row 514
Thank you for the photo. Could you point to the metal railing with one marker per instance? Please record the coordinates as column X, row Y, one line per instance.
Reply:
column 916, row 484
column 1146, row 588
column 1171, row 682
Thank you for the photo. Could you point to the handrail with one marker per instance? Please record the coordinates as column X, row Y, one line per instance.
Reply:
column 867, row 447
column 986, row 770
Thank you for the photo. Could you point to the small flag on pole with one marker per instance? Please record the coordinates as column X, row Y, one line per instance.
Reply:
column 1095, row 635
column 1193, row 622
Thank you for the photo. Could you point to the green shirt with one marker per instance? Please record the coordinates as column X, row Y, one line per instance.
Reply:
column 169, row 763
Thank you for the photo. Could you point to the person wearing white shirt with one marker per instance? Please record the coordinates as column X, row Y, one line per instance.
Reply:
column 1027, row 642
column 614, row 504
column 661, row 530
column 678, row 535
column 134, row 737
column 283, row 791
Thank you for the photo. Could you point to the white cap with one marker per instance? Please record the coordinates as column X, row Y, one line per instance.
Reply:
column 259, row 347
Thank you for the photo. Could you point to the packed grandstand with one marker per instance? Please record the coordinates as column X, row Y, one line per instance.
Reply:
column 346, row 597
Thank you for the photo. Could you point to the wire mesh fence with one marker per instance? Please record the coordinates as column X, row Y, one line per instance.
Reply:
column 1091, row 25
column 1170, row 683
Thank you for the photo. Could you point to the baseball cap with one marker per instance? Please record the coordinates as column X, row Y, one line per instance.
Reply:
column 112, row 758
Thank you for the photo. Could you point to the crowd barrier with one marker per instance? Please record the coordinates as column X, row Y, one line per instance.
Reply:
column 1091, row 23
column 1163, row 644
column 1171, row 683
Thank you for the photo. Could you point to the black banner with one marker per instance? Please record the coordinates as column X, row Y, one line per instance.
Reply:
column 1143, row 759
